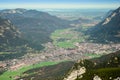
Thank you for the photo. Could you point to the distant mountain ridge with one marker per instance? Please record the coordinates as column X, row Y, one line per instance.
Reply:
column 35, row 25
column 82, row 20
column 12, row 11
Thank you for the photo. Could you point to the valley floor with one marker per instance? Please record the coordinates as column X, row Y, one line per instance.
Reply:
column 52, row 53
column 55, row 54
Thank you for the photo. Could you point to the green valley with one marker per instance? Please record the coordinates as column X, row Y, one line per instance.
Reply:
column 38, row 45
column 67, row 38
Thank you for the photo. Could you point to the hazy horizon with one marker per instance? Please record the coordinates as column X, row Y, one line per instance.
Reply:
column 65, row 4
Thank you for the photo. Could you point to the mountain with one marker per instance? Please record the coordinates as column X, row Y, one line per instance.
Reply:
column 9, row 35
column 112, row 20
column 100, row 18
column 106, row 67
column 108, row 14
column 35, row 25
column 108, row 30
column 12, row 44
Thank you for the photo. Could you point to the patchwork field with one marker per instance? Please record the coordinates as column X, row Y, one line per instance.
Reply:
column 67, row 38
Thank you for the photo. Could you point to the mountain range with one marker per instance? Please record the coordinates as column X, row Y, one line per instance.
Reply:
column 12, row 43
column 106, row 67
column 35, row 25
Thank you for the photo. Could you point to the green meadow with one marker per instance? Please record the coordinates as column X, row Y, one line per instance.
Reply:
column 10, row 75
column 67, row 38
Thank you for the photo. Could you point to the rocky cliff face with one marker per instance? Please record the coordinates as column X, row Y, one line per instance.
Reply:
column 104, row 68
column 108, row 30
column 9, row 34
column 113, row 19
column 7, row 27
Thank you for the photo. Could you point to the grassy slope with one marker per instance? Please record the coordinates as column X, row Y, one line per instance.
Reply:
column 106, row 66
column 52, row 72
column 7, row 74
column 92, row 55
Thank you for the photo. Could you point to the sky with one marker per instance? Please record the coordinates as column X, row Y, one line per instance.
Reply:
column 83, row 4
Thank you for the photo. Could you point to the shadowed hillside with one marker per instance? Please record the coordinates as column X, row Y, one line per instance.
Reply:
column 35, row 25
column 54, row 72
column 108, row 30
